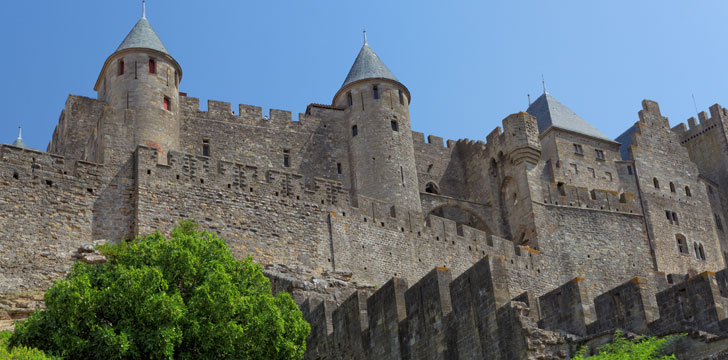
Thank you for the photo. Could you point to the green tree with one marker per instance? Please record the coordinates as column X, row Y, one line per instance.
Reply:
column 185, row 297
column 644, row 348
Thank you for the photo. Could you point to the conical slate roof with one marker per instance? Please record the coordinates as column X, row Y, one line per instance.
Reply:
column 550, row 112
column 19, row 141
column 143, row 36
column 368, row 66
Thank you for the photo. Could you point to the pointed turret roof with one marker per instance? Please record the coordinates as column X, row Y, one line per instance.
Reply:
column 551, row 112
column 19, row 141
column 368, row 66
column 143, row 36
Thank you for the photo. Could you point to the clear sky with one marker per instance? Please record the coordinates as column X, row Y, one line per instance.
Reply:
column 468, row 64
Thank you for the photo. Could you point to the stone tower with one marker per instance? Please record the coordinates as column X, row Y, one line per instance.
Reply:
column 142, row 76
column 381, row 153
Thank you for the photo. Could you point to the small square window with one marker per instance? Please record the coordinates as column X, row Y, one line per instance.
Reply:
column 578, row 149
column 599, row 154
column 629, row 169
column 395, row 127
column 354, row 131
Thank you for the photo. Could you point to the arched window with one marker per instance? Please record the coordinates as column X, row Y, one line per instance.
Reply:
column 432, row 188
column 682, row 243
column 656, row 183
column 687, row 191
column 672, row 187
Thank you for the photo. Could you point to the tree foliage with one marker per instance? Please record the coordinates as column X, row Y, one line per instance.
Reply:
column 645, row 348
column 19, row 352
column 185, row 297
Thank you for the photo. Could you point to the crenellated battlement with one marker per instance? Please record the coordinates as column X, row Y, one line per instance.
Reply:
column 248, row 115
column 33, row 165
column 697, row 128
column 476, row 316
column 224, row 175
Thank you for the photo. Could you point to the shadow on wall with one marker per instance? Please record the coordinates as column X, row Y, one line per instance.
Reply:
column 462, row 215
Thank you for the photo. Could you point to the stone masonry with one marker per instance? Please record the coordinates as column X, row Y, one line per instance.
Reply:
column 346, row 197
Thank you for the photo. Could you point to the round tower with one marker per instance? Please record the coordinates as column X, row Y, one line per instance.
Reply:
column 381, row 154
column 142, row 76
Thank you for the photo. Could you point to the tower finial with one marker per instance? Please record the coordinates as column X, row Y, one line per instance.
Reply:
column 365, row 37
column 543, row 82
column 20, row 132
column 144, row 9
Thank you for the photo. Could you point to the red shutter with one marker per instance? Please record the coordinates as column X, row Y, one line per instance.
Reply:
column 166, row 104
column 152, row 67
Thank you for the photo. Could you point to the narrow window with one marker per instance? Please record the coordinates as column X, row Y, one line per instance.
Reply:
column 609, row 175
column 575, row 168
column 697, row 252
column 205, row 147
column 656, row 183
column 718, row 223
column 629, row 169
column 669, row 216
column 338, row 168
column 286, row 158
column 167, row 105
column 152, row 66
column 376, row 92
column 682, row 244
column 349, row 98
column 599, row 154
column 702, row 252
column 401, row 98
column 401, row 173
column 578, row 149
column 121, row 67
column 687, row 191
column 672, row 187
column 395, row 127
column 135, row 69
column 674, row 218
column 592, row 172
column 354, row 131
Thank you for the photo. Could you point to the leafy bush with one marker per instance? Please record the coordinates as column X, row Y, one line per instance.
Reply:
column 649, row 348
column 20, row 352
column 185, row 297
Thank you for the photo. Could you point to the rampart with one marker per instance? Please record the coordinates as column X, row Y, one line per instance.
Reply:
column 47, row 211
column 476, row 316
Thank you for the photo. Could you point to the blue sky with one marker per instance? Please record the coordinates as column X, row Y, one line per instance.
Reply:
column 468, row 64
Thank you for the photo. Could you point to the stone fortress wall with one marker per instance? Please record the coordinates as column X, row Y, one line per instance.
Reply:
column 278, row 215
column 475, row 316
column 349, row 189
